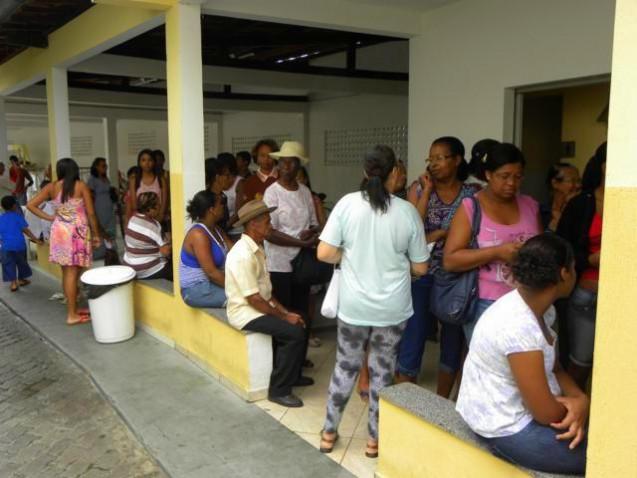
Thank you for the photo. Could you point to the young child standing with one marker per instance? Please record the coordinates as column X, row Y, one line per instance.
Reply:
column 13, row 226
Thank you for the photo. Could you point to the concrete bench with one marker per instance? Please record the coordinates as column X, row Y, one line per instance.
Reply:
column 423, row 435
column 241, row 360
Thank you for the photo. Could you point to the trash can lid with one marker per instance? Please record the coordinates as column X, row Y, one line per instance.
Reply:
column 109, row 275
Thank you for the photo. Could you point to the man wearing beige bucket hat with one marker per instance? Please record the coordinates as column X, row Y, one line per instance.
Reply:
column 251, row 305
column 294, row 227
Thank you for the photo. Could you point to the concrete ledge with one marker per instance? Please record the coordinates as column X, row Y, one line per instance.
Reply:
column 242, row 361
column 416, row 421
column 159, row 284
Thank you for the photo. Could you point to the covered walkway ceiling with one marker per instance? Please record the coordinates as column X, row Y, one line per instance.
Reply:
column 226, row 42
column 27, row 23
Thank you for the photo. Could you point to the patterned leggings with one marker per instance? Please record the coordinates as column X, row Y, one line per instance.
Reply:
column 352, row 342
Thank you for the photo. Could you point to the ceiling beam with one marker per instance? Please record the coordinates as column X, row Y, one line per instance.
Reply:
column 24, row 38
column 112, row 100
column 106, row 64
column 99, row 29
column 152, row 4
column 332, row 14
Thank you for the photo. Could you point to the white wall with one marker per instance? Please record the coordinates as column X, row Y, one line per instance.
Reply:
column 348, row 113
column 471, row 51
column 135, row 135
column 87, row 139
column 260, row 124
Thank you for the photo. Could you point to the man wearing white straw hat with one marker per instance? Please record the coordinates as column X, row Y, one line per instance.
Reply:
column 294, row 227
column 251, row 305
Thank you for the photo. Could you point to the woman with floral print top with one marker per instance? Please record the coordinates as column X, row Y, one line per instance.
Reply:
column 437, row 194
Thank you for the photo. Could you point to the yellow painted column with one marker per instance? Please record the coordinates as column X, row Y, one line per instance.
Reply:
column 185, row 115
column 57, row 99
column 4, row 142
column 612, row 448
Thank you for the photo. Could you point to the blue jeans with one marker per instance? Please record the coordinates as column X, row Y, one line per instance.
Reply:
column 582, row 312
column 535, row 447
column 419, row 327
column 205, row 294
column 15, row 265
column 483, row 304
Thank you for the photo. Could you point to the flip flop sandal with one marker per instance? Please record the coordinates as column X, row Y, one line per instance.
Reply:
column 14, row 288
column 83, row 320
column 83, row 311
column 373, row 453
column 24, row 282
column 331, row 442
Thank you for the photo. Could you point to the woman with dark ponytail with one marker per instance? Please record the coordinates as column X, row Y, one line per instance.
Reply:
column 380, row 243
column 71, row 236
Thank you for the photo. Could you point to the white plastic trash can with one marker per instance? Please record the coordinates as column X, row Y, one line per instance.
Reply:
column 110, row 300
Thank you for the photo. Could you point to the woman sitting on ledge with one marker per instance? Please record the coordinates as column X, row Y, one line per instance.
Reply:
column 147, row 251
column 514, row 394
column 203, row 254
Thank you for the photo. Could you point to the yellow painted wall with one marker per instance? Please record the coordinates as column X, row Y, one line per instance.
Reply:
column 581, row 107
column 212, row 342
column 612, row 446
column 410, row 447
column 44, row 264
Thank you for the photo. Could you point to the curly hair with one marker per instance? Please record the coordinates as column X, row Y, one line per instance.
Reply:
column 146, row 202
column 540, row 261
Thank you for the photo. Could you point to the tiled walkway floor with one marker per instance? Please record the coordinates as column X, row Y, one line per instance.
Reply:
column 308, row 420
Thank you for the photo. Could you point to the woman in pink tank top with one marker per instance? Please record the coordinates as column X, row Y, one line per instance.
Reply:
column 146, row 180
column 509, row 219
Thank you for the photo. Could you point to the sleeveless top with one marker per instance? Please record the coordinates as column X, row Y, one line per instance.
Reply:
column 154, row 187
column 495, row 279
column 594, row 246
column 190, row 271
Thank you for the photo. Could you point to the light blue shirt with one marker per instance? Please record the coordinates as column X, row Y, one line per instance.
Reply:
column 375, row 285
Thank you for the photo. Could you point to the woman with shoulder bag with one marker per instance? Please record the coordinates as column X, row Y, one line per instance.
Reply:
column 374, row 295
column 437, row 194
column 508, row 220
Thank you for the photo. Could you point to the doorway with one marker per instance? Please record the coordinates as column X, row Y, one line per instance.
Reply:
column 559, row 124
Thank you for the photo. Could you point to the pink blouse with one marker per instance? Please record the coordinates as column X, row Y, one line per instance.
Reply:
column 495, row 278
column 154, row 187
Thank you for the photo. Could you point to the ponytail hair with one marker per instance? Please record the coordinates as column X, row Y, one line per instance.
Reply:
column 379, row 163
column 68, row 172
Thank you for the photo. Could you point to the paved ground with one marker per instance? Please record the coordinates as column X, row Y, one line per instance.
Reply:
column 188, row 421
column 53, row 421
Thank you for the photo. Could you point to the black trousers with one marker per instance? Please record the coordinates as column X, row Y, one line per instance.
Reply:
column 294, row 297
column 287, row 340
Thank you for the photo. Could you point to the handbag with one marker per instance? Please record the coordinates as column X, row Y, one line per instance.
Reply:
column 308, row 270
column 454, row 295
column 329, row 308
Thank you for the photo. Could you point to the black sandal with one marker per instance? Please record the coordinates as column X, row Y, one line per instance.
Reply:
column 331, row 442
column 374, row 450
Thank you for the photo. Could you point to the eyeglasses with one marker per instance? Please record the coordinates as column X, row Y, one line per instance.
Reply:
column 434, row 159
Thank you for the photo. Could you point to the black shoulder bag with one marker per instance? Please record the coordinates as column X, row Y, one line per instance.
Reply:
column 454, row 295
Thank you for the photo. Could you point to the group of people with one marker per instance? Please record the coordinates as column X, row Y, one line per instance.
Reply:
column 514, row 391
column 390, row 240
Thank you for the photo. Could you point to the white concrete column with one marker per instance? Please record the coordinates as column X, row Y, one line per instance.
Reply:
column 57, row 98
column 185, row 112
column 4, row 141
column 110, row 134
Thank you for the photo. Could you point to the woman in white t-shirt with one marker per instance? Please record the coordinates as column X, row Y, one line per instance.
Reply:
column 514, row 393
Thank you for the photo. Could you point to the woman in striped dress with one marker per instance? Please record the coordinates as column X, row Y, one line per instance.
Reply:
column 147, row 251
